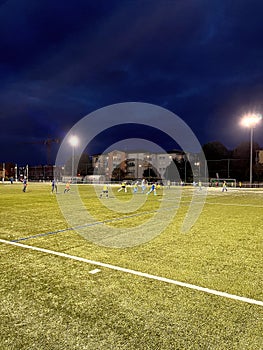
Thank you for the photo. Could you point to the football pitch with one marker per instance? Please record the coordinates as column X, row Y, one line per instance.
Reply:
column 64, row 285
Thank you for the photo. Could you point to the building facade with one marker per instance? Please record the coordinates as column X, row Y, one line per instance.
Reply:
column 118, row 165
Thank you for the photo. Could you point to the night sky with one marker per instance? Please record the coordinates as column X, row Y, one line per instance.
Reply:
column 61, row 60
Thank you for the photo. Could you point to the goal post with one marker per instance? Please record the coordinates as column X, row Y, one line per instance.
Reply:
column 217, row 182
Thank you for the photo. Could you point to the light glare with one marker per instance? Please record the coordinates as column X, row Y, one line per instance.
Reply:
column 73, row 141
column 250, row 120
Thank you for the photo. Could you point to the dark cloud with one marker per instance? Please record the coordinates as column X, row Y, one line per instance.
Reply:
column 61, row 60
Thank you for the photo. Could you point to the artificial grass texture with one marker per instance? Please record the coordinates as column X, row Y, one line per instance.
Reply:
column 49, row 302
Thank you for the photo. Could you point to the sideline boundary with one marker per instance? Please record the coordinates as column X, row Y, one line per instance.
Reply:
column 138, row 273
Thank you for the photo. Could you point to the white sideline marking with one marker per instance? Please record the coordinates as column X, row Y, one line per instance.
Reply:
column 94, row 271
column 138, row 273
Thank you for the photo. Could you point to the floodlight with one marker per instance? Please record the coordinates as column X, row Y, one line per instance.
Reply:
column 73, row 140
column 250, row 120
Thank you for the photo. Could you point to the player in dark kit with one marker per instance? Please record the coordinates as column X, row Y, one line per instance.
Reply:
column 24, row 185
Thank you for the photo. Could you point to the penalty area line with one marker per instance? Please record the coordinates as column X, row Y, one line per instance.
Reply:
column 137, row 273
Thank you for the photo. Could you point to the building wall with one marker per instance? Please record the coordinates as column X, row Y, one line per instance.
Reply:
column 260, row 156
column 133, row 164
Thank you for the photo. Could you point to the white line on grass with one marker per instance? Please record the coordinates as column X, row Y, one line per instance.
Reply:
column 137, row 273
column 219, row 203
column 94, row 271
column 234, row 204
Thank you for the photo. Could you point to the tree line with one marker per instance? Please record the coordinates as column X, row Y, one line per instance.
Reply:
column 224, row 163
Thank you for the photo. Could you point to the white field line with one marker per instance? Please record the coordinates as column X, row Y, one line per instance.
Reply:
column 232, row 204
column 137, row 273
column 216, row 203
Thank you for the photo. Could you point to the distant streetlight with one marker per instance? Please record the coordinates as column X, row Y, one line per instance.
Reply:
column 139, row 175
column 250, row 121
column 3, row 178
column 198, row 164
column 16, row 173
column 149, row 166
column 73, row 141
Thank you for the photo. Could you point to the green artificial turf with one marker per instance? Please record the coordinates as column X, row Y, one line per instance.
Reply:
column 53, row 302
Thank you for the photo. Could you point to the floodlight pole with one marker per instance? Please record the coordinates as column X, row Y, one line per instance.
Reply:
column 73, row 141
column 251, row 157
column 251, row 120
column 3, row 174
column 199, row 172
column 16, row 173
column 72, row 165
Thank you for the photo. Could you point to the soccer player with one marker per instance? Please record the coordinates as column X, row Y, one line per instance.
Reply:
column 24, row 184
column 67, row 188
column 143, row 185
column 54, row 186
column 105, row 191
column 135, row 187
column 224, row 187
column 123, row 187
column 152, row 189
